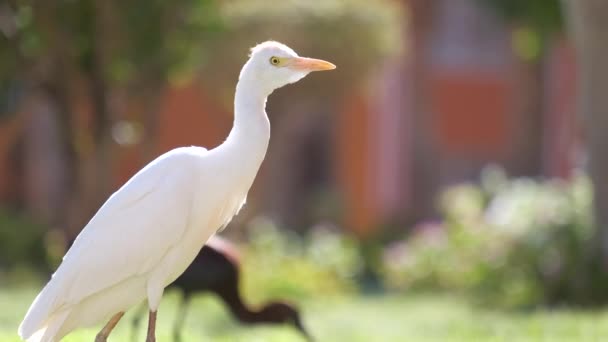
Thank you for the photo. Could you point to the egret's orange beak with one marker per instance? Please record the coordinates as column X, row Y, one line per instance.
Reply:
column 310, row 64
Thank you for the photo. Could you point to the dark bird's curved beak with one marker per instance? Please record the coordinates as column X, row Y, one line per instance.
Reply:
column 298, row 324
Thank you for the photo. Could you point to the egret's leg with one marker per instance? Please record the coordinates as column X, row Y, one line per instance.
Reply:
column 155, row 293
column 136, row 319
column 181, row 317
column 151, row 327
column 107, row 329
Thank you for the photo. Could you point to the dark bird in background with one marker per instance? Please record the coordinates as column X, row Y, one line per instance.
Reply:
column 216, row 270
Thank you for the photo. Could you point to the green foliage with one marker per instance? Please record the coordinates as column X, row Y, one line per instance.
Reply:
column 284, row 264
column 160, row 36
column 536, row 22
column 21, row 242
column 513, row 243
column 135, row 40
column 139, row 41
column 544, row 16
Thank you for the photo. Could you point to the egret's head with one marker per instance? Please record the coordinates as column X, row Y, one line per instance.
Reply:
column 273, row 65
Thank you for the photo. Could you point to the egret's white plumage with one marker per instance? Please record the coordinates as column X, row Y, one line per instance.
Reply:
column 149, row 231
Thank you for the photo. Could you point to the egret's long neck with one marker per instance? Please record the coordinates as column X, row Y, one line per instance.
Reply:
column 251, row 130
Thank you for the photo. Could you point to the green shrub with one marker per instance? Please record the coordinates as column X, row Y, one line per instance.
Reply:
column 284, row 264
column 22, row 245
column 512, row 243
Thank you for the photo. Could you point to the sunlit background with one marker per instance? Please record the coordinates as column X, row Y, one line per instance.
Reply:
column 433, row 187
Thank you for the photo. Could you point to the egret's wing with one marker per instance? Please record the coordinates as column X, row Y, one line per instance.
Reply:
column 129, row 234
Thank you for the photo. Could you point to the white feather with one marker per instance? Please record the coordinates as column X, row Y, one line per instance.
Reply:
column 113, row 247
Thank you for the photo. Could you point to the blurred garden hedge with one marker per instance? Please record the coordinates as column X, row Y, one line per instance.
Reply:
column 281, row 263
column 22, row 247
column 511, row 243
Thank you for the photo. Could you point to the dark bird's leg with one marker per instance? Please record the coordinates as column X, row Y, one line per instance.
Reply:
column 107, row 329
column 181, row 317
column 135, row 322
column 151, row 327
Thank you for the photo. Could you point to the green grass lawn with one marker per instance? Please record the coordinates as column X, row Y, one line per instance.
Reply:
column 352, row 319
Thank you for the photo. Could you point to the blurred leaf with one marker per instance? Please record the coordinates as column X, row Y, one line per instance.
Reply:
column 526, row 44
column 141, row 40
column 535, row 22
column 545, row 16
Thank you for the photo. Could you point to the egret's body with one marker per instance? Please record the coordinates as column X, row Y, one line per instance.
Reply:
column 150, row 230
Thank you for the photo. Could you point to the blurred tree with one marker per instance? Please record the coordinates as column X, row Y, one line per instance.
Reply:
column 425, row 154
column 535, row 25
column 588, row 26
column 67, row 50
column 542, row 17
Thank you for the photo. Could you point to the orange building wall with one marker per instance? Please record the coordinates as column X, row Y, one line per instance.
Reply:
column 470, row 112
column 354, row 165
column 186, row 118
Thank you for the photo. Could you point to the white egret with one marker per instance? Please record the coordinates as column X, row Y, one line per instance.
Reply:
column 148, row 232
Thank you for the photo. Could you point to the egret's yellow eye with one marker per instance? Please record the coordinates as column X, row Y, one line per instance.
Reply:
column 275, row 60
